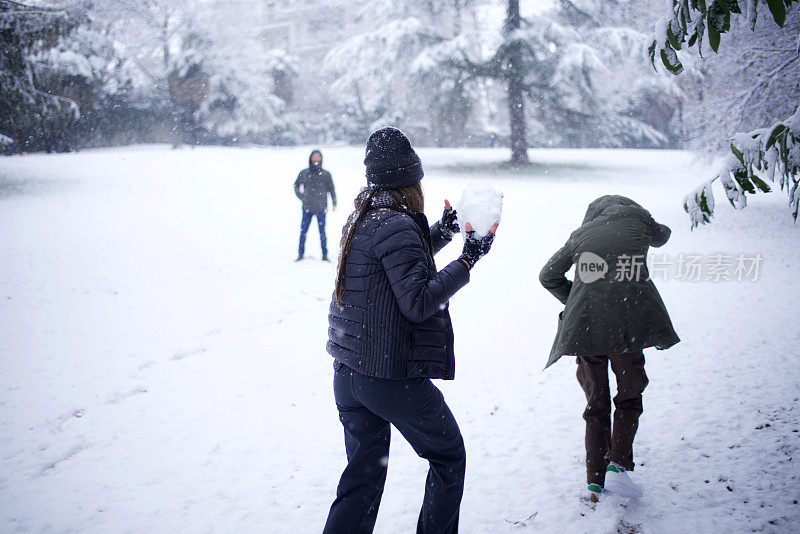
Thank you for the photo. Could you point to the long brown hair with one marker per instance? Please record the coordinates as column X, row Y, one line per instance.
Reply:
column 411, row 198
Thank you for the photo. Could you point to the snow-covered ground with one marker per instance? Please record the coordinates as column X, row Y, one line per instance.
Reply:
column 163, row 365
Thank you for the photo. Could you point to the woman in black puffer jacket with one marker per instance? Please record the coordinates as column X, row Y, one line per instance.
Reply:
column 390, row 333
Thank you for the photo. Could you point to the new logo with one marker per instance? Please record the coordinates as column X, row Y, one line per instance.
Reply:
column 591, row 267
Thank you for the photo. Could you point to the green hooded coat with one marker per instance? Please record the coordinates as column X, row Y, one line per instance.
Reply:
column 616, row 308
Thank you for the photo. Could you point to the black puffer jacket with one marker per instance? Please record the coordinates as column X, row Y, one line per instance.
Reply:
column 394, row 321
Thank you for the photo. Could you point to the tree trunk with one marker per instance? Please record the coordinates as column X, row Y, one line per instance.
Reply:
column 516, row 99
column 457, row 17
column 176, row 126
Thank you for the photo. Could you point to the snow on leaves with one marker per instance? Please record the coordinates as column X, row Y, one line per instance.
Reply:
column 768, row 153
column 690, row 20
column 755, row 155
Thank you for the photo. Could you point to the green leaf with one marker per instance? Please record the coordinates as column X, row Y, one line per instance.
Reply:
column 692, row 39
column 730, row 191
column 672, row 39
column 670, row 60
column 773, row 137
column 685, row 20
column 778, row 9
column 700, row 28
column 713, row 38
column 703, row 203
column 741, row 176
column 734, row 5
column 716, row 18
column 761, row 184
column 651, row 51
column 737, row 153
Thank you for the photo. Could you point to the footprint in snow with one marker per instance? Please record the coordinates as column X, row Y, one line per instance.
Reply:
column 185, row 354
column 63, row 457
column 119, row 396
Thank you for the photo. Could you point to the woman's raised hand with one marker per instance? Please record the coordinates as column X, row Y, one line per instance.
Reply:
column 475, row 248
column 449, row 220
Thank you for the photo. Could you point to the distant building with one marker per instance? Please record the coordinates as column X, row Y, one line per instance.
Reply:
column 308, row 29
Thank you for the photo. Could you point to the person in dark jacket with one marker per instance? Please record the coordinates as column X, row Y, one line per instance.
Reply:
column 390, row 333
column 313, row 185
column 612, row 312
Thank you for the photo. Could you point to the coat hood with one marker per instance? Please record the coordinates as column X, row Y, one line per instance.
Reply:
column 315, row 151
column 606, row 202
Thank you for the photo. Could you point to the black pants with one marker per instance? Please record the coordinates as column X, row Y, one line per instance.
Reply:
column 417, row 409
column 604, row 444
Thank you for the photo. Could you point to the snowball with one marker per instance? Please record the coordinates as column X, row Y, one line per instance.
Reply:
column 481, row 206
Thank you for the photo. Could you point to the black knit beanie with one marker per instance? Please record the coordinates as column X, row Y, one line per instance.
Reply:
column 390, row 160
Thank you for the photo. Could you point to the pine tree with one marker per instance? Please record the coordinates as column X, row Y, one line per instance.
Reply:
column 606, row 96
column 28, row 112
column 579, row 67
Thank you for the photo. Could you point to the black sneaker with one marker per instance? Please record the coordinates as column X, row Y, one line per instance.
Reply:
column 325, row 257
column 299, row 258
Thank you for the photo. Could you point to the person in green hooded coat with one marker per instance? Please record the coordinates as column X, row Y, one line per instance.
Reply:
column 612, row 312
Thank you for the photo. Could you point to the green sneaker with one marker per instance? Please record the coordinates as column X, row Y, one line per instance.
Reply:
column 593, row 492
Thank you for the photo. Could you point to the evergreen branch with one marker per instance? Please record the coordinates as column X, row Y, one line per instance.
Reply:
column 691, row 20
column 40, row 10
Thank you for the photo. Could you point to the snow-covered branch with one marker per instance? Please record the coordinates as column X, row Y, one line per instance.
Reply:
column 690, row 20
column 772, row 153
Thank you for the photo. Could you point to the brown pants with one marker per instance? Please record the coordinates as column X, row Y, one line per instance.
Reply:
column 602, row 444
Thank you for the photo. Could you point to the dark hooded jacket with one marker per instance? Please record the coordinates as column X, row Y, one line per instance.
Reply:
column 393, row 321
column 622, row 311
column 313, row 185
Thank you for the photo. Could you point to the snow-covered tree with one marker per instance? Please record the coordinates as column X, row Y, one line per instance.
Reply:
column 27, row 30
column 582, row 70
column 238, row 104
column 606, row 95
column 165, row 70
column 84, row 68
column 284, row 68
column 396, row 71
column 764, row 81
column 367, row 69
column 249, row 89
column 449, row 98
